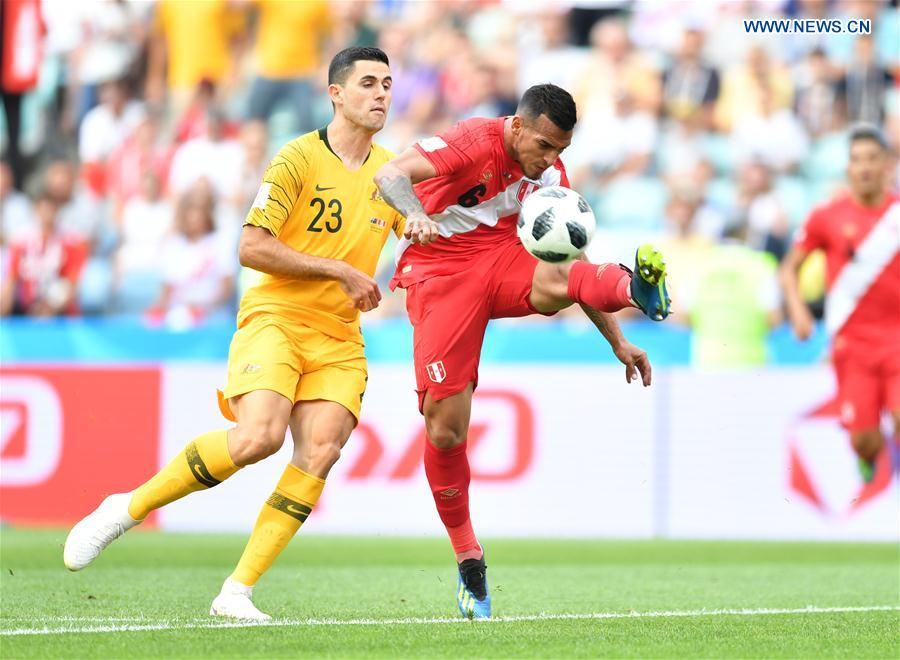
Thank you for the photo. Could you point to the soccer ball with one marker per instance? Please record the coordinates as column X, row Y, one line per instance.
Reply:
column 556, row 224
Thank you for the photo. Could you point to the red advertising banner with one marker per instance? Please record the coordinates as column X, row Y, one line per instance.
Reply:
column 71, row 436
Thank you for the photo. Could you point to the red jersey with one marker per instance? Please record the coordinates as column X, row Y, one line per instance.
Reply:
column 22, row 44
column 475, row 199
column 38, row 263
column 862, row 249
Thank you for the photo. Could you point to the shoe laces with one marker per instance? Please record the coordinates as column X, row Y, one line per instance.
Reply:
column 109, row 533
column 474, row 575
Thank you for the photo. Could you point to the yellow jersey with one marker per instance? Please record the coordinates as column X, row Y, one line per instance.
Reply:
column 280, row 52
column 198, row 36
column 315, row 205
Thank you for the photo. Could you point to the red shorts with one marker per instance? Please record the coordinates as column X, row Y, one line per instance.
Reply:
column 868, row 376
column 449, row 314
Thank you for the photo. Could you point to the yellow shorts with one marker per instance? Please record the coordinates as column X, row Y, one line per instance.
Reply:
column 298, row 362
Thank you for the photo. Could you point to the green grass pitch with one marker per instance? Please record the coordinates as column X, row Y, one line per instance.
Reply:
column 148, row 596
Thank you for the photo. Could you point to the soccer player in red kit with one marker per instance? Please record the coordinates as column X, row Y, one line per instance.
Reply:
column 860, row 234
column 469, row 267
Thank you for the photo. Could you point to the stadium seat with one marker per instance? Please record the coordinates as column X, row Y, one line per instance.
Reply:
column 718, row 149
column 823, row 190
column 793, row 193
column 137, row 291
column 95, row 286
column 281, row 128
column 828, row 158
column 722, row 193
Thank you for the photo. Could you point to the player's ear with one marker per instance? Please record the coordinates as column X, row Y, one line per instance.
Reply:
column 517, row 125
column 336, row 93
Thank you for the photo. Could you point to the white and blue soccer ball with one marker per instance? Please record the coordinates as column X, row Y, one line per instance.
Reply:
column 556, row 224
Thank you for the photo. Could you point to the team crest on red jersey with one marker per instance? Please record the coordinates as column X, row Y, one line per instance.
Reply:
column 436, row 371
column 525, row 189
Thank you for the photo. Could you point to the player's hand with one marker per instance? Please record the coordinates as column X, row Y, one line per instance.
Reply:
column 421, row 229
column 803, row 323
column 360, row 288
column 635, row 361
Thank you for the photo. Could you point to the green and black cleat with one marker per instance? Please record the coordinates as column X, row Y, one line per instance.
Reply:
column 648, row 283
column 866, row 469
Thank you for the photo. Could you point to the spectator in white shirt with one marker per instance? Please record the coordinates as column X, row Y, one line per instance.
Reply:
column 198, row 274
column 759, row 211
column 775, row 137
column 607, row 147
column 108, row 124
column 213, row 157
column 146, row 222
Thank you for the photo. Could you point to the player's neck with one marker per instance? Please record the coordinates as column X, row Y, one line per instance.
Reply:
column 349, row 142
column 869, row 201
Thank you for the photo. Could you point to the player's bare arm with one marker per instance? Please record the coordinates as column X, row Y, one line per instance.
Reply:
column 260, row 250
column 395, row 180
column 798, row 313
column 635, row 359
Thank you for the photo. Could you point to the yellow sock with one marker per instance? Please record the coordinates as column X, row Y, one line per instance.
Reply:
column 204, row 463
column 293, row 500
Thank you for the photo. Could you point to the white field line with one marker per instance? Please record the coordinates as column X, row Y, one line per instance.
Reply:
column 199, row 624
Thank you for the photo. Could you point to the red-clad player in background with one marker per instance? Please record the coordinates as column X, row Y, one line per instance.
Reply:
column 470, row 267
column 860, row 234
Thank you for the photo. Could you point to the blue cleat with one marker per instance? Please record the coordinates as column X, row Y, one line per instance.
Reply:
column 472, row 593
column 648, row 283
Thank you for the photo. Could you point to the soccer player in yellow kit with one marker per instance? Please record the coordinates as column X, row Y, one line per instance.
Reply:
column 315, row 229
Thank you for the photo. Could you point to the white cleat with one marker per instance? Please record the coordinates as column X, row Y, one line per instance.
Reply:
column 97, row 530
column 235, row 602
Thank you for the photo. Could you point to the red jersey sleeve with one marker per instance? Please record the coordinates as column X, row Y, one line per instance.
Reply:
column 76, row 253
column 811, row 235
column 446, row 151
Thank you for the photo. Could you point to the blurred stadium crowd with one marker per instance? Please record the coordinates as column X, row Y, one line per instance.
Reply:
column 136, row 132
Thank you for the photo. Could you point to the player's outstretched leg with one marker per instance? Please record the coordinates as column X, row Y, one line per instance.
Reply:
column 447, row 470
column 204, row 463
column 97, row 530
column 604, row 287
column 320, row 429
column 648, row 284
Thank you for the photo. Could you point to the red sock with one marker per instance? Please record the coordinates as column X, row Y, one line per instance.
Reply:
column 604, row 287
column 448, row 476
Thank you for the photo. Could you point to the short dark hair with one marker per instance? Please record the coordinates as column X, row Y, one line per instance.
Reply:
column 869, row 132
column 342, row 63
column 550, row 100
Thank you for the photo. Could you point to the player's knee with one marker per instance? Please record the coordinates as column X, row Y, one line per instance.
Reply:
column 257, row 441
column 444, row 436
column 552, row 280
column 324, row 453
column 866, row 443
